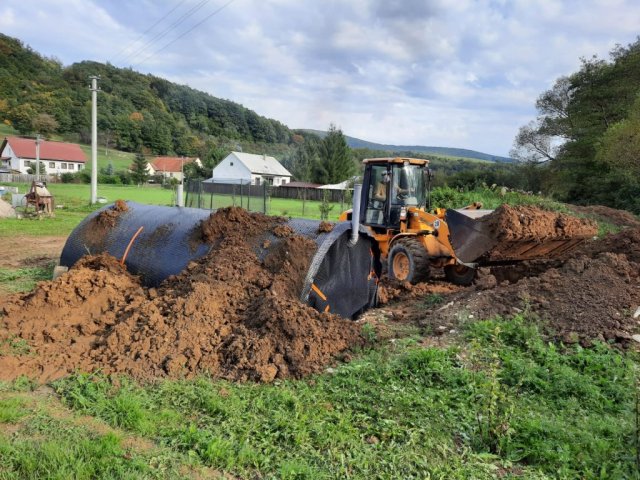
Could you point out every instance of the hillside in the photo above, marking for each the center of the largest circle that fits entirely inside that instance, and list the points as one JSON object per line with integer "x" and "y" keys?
{"x": 439, "y": 151}
{"x": 136, "y": 112}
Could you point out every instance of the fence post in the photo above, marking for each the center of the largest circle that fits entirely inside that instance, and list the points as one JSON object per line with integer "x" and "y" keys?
{"x": 264, "y": 198}
{"x": 304, "y": 198}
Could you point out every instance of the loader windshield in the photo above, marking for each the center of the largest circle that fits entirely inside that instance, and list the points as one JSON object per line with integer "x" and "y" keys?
{"x": 408, "y": 185}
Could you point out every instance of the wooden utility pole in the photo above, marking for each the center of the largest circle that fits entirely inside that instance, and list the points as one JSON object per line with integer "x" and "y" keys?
{"x": 38, "y": 157}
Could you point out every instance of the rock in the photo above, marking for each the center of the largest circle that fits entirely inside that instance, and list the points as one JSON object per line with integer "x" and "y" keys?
{"x": 635, "y": 338}
{"x": 637, "y": 314}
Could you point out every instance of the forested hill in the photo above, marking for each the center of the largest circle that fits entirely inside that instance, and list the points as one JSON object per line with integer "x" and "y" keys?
{"x": 440, "y": 151}
{"x": 136, "y": 112}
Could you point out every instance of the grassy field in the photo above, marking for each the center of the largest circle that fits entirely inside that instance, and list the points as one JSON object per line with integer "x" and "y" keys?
{"x": 499, "y": 402}
{"x": 503, "y": 403}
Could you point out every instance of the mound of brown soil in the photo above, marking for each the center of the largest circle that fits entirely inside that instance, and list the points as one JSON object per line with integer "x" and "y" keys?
{"x": 584, "y": 299}
{"x": 620, "y": 218}
{"x": 229, "y": 314}
{"x": 526, "y": 222}
{"x": 626, "y": 242}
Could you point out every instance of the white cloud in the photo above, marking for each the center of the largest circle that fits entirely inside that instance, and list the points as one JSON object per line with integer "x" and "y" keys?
{"x": 462, "y": 74}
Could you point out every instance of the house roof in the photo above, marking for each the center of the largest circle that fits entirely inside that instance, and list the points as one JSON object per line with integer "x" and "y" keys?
{"x": 262, "y": 164}
{"x": 170, "y": 164}
{"x": 301, "y": 185}
{"x": 26, "y": 148}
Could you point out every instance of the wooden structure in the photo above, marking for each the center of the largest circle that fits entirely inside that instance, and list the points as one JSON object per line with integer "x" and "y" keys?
{"x": 40, "y": 198}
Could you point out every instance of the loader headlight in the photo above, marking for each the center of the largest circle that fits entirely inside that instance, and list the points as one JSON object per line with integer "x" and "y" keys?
{"x": 436, "y": 224}
{"x": 403, "y": 213}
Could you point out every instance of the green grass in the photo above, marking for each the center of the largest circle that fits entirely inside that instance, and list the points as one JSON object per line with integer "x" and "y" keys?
{"x": 119, "y": 160}
{"x": 48, "y": 442}
{"x": 23, "y": 279}
{"x": 506, "y": 401}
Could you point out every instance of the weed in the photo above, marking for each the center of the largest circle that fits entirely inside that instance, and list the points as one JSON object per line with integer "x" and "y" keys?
{"x": 369, "y": 334}
{"x": 432, "y": 300}
{"x": 14, "y": 345}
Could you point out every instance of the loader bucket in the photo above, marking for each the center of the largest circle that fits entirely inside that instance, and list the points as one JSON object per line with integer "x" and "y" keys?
{"x": 469, "y": 238}
{"x": 342, "y": 278}
{"x": 473, "y": 240}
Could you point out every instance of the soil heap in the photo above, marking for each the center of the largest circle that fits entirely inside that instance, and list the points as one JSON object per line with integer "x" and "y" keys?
{"x": 527, "y": 222}
{"x": 592, "y": 294}
{"x": 231, "y": 314}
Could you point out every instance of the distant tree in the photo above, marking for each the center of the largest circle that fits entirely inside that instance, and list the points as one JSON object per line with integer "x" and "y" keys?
{"x": 45, "y": 124}
{"x": 335, "y": 162}
{"x": 533, "y": 145}
{"x": 32, "y": 169}
{"x": 139, "y": 171}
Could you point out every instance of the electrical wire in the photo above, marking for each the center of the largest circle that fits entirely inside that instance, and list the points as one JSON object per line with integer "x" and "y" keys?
{"x": 146, "y": 31}
{"x": 167, "y": 30}
{"x": 186, "y": 32}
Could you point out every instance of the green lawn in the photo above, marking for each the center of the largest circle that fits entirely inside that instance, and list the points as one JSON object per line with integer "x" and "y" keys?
{"x": 503, "y": 403}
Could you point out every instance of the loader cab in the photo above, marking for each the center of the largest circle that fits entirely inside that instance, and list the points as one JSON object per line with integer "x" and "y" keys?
{"x": 390, "y": 186}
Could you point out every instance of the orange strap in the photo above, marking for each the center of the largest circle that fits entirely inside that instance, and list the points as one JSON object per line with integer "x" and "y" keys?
{"x": 318, "y": 291}
{"x": 126, "y": 252}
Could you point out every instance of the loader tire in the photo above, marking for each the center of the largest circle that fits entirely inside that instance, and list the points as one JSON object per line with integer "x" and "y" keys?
{"x": 408, "y": 261}
{"x": 459, "y": 274}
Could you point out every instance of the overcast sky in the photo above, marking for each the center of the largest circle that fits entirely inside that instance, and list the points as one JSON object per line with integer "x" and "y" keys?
{"x": 435, "y": 72}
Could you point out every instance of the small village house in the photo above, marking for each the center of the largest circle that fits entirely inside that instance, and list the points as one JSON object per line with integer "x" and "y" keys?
{"x": 170, "y": 167}
{"x": 250, "y": 169}
{"x": 18, "y": 154}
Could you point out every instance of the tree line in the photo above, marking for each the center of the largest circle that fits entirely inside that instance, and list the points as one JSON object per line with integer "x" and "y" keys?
{"x": 136, "y": 112}
{"x": 584, "y": 144}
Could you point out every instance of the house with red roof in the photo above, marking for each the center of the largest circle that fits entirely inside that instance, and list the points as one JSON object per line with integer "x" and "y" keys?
{"x": 18, "y": 154}
{"x": 171, "y": 167}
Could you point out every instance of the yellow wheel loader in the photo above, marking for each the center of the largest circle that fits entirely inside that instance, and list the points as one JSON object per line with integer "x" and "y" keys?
{"x": 395, "y": 207}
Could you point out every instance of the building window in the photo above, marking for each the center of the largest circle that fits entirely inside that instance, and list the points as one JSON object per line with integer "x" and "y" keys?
{"x": 257, "y": 181}
{"x": 63, "y": 166}
{"x": 71, "y": 166}
{"x": 80, "y": 167}
{"x": 27, "y": 163}
{"x": 52, "y": 164}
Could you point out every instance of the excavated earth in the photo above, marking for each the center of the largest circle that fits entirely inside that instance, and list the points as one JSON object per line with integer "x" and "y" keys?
{"x": 591, "y": 293}
{"x": 237, "y": 316}
{"x": 230, "y": 314}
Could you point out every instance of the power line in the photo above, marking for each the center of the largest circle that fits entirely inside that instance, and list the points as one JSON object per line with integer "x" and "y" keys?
{"x": 185, "y": 33}
{"x": 147, "y": 31}
{"x": 163, "y": 33}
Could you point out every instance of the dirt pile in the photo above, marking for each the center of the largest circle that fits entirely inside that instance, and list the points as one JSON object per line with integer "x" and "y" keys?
{"x": 620, "y": 218}
{"x": 526, "y": 222}
{"x": 6, "y": 210}
{"x": 229, "y": 314}
{"x": 592, "y": 295}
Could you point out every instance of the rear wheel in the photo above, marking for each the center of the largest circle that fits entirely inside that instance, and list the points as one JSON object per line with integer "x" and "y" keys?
{"x": 460, "y": 274}
{"x": 408, "y": 261}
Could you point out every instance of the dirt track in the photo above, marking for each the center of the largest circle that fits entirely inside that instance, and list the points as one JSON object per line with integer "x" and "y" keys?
{"x": 240, "y": 319}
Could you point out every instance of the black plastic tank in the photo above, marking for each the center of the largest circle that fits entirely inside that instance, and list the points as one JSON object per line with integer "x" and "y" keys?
{"x": 342, "y": 277}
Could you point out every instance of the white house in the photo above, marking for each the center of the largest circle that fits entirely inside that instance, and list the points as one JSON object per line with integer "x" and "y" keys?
{"x": 18, "y": 154}
{"x": 248, "y": 168}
